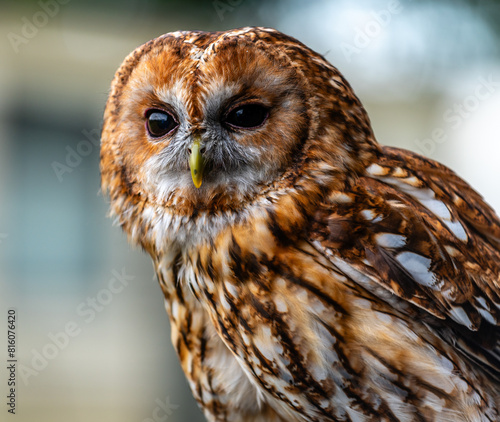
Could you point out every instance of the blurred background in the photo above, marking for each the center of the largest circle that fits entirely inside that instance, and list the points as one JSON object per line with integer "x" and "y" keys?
{"x": 93, "y": 340}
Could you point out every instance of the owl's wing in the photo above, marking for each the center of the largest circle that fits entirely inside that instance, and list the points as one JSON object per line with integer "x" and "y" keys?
{"x": 414, "y": 228}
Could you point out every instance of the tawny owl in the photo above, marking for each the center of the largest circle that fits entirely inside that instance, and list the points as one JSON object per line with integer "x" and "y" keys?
{"x": 310, "y": 274}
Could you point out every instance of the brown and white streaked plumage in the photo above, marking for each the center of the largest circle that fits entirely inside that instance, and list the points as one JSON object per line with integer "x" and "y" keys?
{"x": 314, "y": 275}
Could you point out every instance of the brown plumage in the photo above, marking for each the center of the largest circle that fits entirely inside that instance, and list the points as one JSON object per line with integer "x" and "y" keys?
{"x": 314, "y": 275}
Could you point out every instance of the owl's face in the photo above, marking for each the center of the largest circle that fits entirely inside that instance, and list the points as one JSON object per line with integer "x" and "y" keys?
{"x": 205, "y": 124}
{"x": 201, "y": 122}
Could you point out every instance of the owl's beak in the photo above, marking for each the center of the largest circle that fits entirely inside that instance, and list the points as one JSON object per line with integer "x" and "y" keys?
{"x": 196, "y": 162}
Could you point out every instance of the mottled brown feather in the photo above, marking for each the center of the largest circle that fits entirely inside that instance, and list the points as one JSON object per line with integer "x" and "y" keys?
{"x": 314, "y": 276}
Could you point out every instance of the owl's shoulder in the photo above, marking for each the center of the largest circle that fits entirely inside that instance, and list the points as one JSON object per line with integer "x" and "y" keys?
{"x": 410, "y": 227}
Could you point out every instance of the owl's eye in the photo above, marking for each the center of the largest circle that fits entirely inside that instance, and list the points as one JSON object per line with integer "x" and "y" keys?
{"x": 159, "y": 123}
{"x": 247, "y": 116}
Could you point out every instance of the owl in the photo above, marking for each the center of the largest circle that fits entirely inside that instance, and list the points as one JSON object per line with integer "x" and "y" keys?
{"x": 309, "y": 273}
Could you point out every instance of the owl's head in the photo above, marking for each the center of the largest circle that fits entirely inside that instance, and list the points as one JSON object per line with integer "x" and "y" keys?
{"x": 209, "y": 121}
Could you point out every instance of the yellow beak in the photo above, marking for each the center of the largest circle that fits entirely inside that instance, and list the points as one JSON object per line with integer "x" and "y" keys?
{"x": 196, "y": 162}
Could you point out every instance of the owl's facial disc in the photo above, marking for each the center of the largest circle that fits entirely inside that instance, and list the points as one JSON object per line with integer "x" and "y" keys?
{"x": 210, "y": 133}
